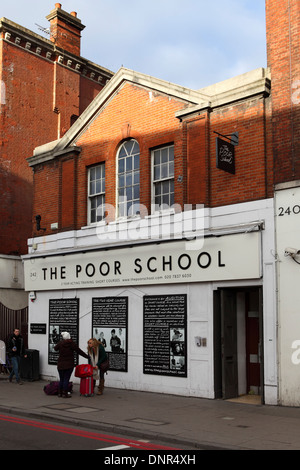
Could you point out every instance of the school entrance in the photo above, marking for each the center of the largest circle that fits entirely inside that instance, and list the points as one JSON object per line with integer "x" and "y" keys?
{"x": 238, "y": 345}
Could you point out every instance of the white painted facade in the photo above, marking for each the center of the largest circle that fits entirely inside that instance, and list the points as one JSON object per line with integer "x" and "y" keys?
{"x": 12, "y": 294}
{"x": 287, "y": 205}
{"x": 243, "y": 221}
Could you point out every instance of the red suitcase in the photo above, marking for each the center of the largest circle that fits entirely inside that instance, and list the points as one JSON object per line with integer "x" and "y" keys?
{"x": 87, "y": 386}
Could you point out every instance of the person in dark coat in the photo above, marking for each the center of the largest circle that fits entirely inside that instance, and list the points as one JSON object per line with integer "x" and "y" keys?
{"x": 15, "y": 350}
{"x": 65, "y": 364}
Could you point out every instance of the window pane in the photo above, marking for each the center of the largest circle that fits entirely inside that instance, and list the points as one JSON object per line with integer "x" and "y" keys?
{"x": 98, "y": 172}
{"x": 171, "y": 153}
{"x": 128, "y": 147}
{"x": 171, "y": 169}
{"x": 128, "y": 164}
{"x": 121, "y": 181}
{"x": 92, "y": 174}
{"x": 123, "y": 152}
{"x": 165, "y": 187}
{"x": 121, "y": 165}
{"x": 98, "y": 186}
{"x": 163, "y": 174}
{"x": 164, "y": 171}
{"x": 156, "y": 157}
{"x": 129, "y": 194}
{"x": 92, "y": 187}
{"x": 96, "y": 192}
{"x": 136, "y": 164}
{"x": 128, "y": 177}
{"x": 164, "y": 155}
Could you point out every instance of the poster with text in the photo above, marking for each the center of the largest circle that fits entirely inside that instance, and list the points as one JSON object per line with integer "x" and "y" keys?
{"x": 110, "y": 326}
{"x": 165, "y": 335}
{"x": 63, "y": 316}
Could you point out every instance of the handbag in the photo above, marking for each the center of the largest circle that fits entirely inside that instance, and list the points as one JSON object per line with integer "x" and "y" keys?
{"x": 104, "y": 366}
{"x": 83, "y": 370}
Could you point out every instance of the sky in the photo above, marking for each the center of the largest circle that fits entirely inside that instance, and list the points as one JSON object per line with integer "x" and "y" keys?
{"x": 193, "y": 43}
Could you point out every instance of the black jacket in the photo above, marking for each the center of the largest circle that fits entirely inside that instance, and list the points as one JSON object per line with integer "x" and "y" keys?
{"x": 66, "y": 349}
{"x": 18, "y": 342}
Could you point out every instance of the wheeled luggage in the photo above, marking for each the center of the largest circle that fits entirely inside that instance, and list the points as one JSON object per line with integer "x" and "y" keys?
{"x": 87, "y": 386}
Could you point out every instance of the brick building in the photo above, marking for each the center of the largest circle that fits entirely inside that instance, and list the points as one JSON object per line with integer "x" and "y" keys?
{"x": 139, "y": 169}
{"x": 283, "y": 46}
{"x": 167, "y": 216}
{"x": 45, "y": 85}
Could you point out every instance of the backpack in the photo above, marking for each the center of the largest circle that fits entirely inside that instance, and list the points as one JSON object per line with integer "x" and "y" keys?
{"x": 53, "y": 388}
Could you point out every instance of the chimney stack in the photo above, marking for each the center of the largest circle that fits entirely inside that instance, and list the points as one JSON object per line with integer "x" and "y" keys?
{"x": 65, "y": 29}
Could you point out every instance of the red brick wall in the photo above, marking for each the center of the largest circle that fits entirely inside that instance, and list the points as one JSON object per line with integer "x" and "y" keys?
{"x": 283, "y": 44}
{"x": 149, "y": 118}
{"x": 67, "y": 207}
{"x": 197, "y": 161}
{"x": 66, "y": 36}
{"x": 34, "y": 87}
{"x": 252, "y": 154}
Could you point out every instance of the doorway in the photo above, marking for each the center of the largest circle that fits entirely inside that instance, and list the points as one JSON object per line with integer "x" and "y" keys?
{"x": 238, "y": 355}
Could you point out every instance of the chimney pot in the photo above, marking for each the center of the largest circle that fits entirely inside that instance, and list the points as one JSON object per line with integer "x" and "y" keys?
{"x": 57, "y": 5}
{"x": 73, "y": 13}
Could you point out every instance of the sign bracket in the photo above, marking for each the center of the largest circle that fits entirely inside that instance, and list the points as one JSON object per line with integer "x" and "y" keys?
{"x": 233, "y": 138}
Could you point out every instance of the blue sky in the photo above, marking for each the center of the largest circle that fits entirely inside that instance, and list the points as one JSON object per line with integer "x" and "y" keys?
{"x": 193, "y": 43}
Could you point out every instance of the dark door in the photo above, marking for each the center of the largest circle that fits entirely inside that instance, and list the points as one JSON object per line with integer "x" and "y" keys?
{"x": 254, "y": 352}
{"x": 229, "y": 344}
{"x": 225, "y": 344}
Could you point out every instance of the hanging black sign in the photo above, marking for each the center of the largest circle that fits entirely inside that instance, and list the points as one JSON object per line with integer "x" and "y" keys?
{"x": 225, "y": 156}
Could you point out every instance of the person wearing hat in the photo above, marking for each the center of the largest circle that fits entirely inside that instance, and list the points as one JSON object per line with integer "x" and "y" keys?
{"x": 65, "y": 364}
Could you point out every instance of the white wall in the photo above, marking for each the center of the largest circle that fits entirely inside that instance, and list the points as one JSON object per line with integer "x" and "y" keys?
{"x": 199, "y": 381}
{"x": 288, "y": 235}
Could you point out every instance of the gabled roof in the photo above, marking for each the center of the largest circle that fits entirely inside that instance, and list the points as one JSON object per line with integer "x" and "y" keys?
{"x": 241, "y": 87}
{"x": 52, "y": 149}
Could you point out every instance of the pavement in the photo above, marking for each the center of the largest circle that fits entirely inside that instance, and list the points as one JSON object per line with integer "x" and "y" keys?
{"x": 196, "y": 422}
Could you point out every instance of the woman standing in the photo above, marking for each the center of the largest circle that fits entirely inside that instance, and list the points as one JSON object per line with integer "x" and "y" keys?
{"x": 93, "y": 352}
{"x": 97, "y": 355}
{"x": 65, "y": 364}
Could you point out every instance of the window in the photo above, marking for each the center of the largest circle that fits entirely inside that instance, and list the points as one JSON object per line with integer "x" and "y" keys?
{"x": 96, "y": 192}
{"x": 163, "y": 177}
{"x": 129, "y": 179}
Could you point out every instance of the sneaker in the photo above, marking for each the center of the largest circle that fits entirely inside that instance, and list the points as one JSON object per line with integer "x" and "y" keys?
{"x": 20, "y": 383}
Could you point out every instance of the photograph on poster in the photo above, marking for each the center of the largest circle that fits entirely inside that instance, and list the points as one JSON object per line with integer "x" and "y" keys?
{"x": 54, "y": 336}
{"x": 112, "y": 339}
{"x": 177, "y": 349}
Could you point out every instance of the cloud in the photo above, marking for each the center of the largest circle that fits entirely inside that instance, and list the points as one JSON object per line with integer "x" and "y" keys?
{"x": 194, "y": 43}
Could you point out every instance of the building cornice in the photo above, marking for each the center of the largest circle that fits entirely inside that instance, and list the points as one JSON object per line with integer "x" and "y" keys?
{"x": 33, "y": 43}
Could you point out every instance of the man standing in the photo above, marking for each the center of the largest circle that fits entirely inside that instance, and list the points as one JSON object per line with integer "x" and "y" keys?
{"x": 15, "y": 349}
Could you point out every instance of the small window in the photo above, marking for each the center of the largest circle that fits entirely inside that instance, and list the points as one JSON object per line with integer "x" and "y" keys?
{"x": 163, "y": 178}
{"x": 96, "y": 192}
{"x": 129, "y": 179}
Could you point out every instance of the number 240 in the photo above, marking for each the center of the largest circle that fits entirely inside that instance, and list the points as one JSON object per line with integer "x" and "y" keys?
{"x": 289, "y": 211}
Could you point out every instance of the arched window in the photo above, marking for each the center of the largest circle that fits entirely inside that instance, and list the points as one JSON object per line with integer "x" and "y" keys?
{"x": 129, "y": 179}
